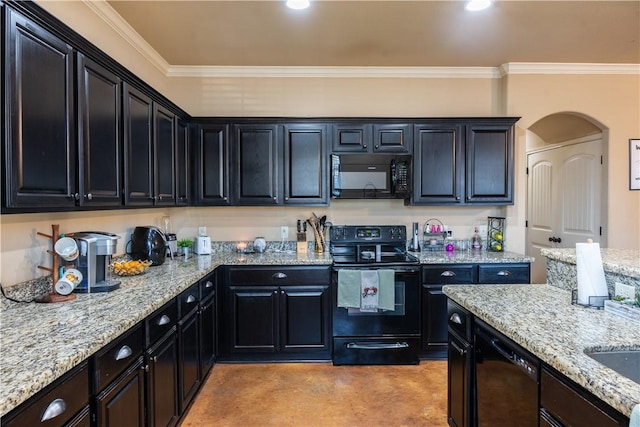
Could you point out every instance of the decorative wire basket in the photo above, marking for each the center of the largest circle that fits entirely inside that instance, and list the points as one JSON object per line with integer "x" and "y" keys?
{"x": 433, "y": 241}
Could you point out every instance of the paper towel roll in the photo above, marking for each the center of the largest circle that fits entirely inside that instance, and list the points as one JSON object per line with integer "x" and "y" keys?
{"x": 591, "y": 281}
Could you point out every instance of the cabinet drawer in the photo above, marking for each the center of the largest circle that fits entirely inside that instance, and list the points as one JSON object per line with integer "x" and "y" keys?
{"x": 448, "y": 274}
{"x": 569, "y": 406}
{"x": 279, "y": 276}
{"x": 188, "y": 300}
{"x": 161, "y": 321}
{"x": 459, "y": 320}
{"x": 114, "y": 358}
{"x": 66, "y": 398}
{"x": 503, "y": 273}
{"x": 207, "y": 286}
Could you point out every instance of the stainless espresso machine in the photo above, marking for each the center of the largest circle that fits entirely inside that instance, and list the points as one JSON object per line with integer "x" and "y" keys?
{"x": 96, "y": 248}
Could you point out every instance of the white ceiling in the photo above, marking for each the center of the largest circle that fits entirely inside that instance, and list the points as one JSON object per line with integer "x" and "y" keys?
{"x": 340, "y": 33}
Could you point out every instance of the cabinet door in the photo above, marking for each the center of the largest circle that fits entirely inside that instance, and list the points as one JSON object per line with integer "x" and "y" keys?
{"x": 162, "y": 381}
{"x": 40, "y": 155}
{"x": 99, "y": 135}
{"x": 351, "y": 137}
{"x": 207, "y": 335}
{"x": 256, "y": 171}
{"x": 164, "y": 156}
{"x": 392, "y": 138}
{"x": 304, "y": 320}
{"x": 438, "y": 168}
{"x": 189, "y": 363}
{"x": 122, "y": 403}
{"x": 138, "y": 144}
{"x": 252, "y": 322}
{"x": 459, "y": 379}
{"x": 305, "y": 165}
{"x": 183, "y": 170}
{"x": 489, "y": 163}
{"x": 211, "y": 177}
{"x": 434, "y": 321}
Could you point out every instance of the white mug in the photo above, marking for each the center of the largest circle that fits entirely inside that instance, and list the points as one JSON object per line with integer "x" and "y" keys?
{"x": 70, "y": 279}
{"x": 67, "y": 248}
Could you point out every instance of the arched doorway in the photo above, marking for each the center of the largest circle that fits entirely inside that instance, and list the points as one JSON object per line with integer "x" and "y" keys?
{"x": 566, "y": 185}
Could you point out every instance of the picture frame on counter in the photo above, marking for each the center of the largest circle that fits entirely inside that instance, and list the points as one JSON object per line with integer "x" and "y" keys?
{"x": 634, "y": 164}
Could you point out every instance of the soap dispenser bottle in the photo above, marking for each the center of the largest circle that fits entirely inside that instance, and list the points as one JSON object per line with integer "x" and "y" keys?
{"x": 476, "y": 240}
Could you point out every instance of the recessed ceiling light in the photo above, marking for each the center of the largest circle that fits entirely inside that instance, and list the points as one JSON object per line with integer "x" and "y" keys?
{"x": 474, "y": 5}
{"x": 298, "y": 4}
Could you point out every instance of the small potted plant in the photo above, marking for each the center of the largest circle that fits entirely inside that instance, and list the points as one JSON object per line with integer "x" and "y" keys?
{"x": 185, "y": 245}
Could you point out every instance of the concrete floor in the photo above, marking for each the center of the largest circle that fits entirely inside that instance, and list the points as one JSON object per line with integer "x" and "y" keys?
{"x": 320, "y": 394}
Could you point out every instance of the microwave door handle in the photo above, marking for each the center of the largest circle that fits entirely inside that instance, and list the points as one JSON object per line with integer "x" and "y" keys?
{"x": 394, "y": 176}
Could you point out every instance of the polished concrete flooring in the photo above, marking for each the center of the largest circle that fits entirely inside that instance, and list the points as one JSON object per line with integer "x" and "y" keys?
{"x": 320, "y": 394}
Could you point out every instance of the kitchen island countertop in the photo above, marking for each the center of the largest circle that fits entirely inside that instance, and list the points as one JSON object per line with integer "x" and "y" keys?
{"x": 542, "y": 320}
{"x": 620, "y": 261}
{"x": 41, "y": 342}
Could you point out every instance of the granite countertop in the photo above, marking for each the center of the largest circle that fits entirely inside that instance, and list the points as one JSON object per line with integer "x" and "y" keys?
{"x": 40, "y": 342}
{"x": 621, "y": 261}
{"x": 542, "y": 320}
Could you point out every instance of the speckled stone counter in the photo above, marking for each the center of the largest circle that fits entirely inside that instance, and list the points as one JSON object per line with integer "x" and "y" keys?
{"x": 470, "y": 257}
{"x": 40, "y": 342}
{"x": 620, "y": 265}
{"x": 541, "y": 319}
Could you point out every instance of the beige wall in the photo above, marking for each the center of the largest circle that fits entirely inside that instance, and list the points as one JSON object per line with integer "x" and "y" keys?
{"x": 612, "y": 100}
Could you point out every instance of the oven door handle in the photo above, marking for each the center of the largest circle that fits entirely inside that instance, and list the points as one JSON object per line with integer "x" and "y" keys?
{"x": 376, "y": 345}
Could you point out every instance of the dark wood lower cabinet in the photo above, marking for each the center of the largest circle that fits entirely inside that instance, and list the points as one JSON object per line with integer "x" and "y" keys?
{"x": 162, "y": 380}
{"x": 207, "y": 335}
{"x": 434, "y": 321}
{"x": 122, "y": 403}
{"x": 459, "y": 368}
{"x": 189, "y": 362}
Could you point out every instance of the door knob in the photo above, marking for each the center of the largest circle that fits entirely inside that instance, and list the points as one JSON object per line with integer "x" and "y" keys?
{"x": 555, "y": 239}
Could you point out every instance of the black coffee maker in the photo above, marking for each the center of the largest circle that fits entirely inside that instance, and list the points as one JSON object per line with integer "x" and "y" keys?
{"x": 148, "y": 244}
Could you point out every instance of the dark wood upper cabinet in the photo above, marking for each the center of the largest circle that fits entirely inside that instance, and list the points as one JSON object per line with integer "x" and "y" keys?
{"x": 305, "y": 165}
{"x": 99, "y": 135}
{"x": 359, "y": 137}
{"x": 392, "y": 138}
{"x": 211, "y": 165}
{"x": 164, "y": 156}
{"x": 138, "y": 148}
{"x": 40, "y": 145}
{"x": 489, "y": 163}
{"x": 256, "y": 152}
{"x": 183, "y": 169}
{"x": 438, "y": 169}
{"x": 351, "y": 137}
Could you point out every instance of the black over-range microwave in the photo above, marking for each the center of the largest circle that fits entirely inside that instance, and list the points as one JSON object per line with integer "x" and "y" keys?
{"x": 370, "y": 176}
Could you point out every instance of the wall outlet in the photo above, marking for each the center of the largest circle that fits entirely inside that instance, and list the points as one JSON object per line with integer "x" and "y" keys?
{"x": 284, "y": 232}
{"x": 626, "y": 291}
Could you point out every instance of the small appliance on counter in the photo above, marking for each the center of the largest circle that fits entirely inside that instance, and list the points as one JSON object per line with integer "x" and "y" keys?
{"x": 95, "y": 249}
{"x": 171, "y": 238}
{"x": 148, "y": 243}
{"x": 202, "y": 244}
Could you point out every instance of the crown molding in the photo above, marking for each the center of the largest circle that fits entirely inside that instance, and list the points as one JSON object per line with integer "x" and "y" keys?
{"x": 126, "y": 31}
{"x": 512, "y": 68}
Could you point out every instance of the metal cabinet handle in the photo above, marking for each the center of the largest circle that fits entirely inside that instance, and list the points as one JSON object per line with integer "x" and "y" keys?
{"x": 164, "y": 320}
{"x": 55, "y": 408}
{"x": 89, "y": 196}
{"x": 208, "y": 284}
{"x": 225, "y": 198}
{"x": 377, "y": 146}
{"x": 364, "y": 146}
{"x": 191, "y": 299}
{"x": 447, "y": 273}
{"x": 455, "y": 318}
{"x": 504, "y": 273}
{"x": 457, "y": 348}
{"x": 279, "y": 275}
{"x": 124, "y": 352}
{"x": 75, "y": 196}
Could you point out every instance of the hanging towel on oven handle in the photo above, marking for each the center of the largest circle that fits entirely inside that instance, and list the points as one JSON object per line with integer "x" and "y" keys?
{"x": 349, "y": 288}
{"x": 387, "y": 292}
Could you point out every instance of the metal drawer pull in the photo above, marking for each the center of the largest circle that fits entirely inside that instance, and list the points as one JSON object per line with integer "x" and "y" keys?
{"x": 279, "y": 275}
{"x": 376, "y": 346}
{"x": 209, "y": 284}
{"x": 124, "y": 352}
{"x": 504, "y": 273}
{"x": 164, "y": 320}
{"x": 191, "y": 299}
{"x": 457, "y": 348}
{"x": 447, "y": 273}
{"x": 455, "y": 318}
{"x": 55, "y": 408}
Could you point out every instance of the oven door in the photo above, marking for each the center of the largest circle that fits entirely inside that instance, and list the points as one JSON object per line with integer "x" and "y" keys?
{"x": 403, "y": 320}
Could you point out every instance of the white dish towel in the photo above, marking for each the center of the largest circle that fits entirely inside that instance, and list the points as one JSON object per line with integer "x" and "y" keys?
{"x": 369, "y": 285}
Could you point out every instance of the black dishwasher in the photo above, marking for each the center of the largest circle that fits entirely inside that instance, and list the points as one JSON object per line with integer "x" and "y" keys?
{"x": 507, "y": 379}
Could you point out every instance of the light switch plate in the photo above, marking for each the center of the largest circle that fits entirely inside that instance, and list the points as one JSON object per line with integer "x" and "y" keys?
{"x": 284, "y": 232}
{"x": 626, "y": 291}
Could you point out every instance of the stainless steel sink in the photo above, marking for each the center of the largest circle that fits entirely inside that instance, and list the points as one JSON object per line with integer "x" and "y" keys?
{"x": 624, "y": 362}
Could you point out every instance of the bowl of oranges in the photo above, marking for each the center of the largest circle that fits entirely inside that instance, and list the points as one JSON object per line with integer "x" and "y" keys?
{"x": 130, "y": 268}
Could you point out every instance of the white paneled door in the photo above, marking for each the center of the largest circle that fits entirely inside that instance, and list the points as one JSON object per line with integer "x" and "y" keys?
{"x": 564, "y": 192}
